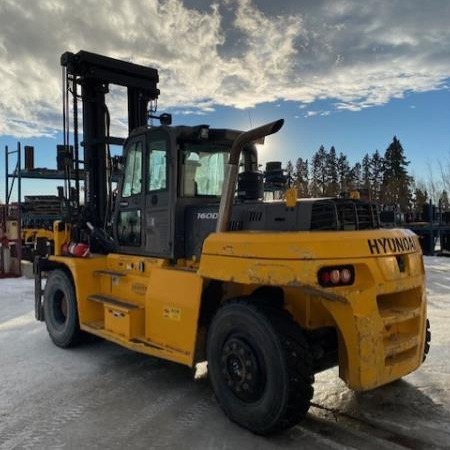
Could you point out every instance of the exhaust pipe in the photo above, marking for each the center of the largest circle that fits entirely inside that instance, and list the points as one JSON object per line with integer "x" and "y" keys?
{"x": 232, "y": 168}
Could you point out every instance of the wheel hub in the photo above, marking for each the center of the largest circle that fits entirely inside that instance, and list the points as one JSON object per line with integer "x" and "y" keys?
{"x": 241, "y": 370}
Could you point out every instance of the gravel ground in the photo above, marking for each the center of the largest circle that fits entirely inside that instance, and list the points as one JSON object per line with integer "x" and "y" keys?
{"x": 103, "y": 396}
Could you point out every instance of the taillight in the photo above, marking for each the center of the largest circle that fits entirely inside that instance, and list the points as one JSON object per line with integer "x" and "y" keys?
{"x": 336, "y": 276}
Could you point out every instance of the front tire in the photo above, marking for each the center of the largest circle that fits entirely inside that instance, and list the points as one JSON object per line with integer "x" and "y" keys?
{"x": 259, "y": 366}
{"x": 60, "y": 310}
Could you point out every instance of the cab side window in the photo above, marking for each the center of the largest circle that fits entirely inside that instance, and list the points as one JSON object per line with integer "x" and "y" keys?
{"x": 132, "y": 183}
{"x": 157, "y": 166}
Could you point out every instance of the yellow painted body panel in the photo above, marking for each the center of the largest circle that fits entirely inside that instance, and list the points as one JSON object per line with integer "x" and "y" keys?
{"x": 61, "y": 233}
{"x": 150, "y": 306}
{"x": 145, "y": 305}
{"x": 31, "y": 234}
{"x": 85, "y": 282}
{"x": 172, "y": 309}
{"x": 380, "y": 318}
{"x": 297, "y": 245}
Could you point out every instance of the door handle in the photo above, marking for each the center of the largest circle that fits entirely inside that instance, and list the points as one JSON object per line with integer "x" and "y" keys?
{"x": 123, "y": 204}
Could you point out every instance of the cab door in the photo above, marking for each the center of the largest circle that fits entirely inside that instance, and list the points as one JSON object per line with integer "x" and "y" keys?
{"x": 129, "y": 212}
{"x": 159, "y": 194}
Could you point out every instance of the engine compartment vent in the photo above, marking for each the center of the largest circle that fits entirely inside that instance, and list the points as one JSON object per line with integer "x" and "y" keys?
{"x": 254, "y": 216}
{"x": 344, "y": 215}
{"x": 236, "y": 225}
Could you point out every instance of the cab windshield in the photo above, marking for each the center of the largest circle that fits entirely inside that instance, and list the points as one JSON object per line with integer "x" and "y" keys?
{"x": 203, "y": 169}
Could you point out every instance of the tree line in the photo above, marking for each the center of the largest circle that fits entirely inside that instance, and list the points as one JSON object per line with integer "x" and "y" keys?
{"x": 384, "y": 177}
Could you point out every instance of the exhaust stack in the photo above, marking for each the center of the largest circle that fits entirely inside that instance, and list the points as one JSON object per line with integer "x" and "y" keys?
{"x": 231, "y": 169}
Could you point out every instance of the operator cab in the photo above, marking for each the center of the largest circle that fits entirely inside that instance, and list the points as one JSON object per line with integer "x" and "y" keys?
{"x": 166, "y": 171}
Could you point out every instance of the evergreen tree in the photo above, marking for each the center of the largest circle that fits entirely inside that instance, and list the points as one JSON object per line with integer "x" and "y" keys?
{"x": 444, "y": 202}
{"x": 306, "y": 179}
{"x": 343, "y": 170}
{"x": 396, "y": 181}
{"x": 301, "y": 178}
{"x": 354, "y": 178}
{"x": 319, "y": 175}
{"x": 376, "y": 175}
{"x": 366, "y": 174}
{"x": 332, "y": 187}
{"x": 289, "y": 172}
{"x": 420, "y": 199}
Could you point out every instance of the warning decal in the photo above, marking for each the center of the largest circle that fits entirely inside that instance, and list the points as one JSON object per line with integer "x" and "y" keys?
{"x": 172, "y": 313}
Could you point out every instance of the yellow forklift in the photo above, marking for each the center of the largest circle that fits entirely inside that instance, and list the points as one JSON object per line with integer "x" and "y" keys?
{"x": 188, "y": 263}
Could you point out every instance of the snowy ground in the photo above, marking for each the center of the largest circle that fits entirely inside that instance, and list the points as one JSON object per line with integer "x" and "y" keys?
{"x": 103, "y": 396}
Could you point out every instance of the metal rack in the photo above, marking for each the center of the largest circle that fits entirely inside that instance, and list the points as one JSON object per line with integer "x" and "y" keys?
{"x": 432, "y": 225}
{"x": 11, "y": 213}
{"x": 10, "y": 241}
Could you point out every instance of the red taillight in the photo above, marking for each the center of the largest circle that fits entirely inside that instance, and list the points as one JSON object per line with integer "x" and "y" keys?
{"x": 336, "y": 276}
{"x": 325, "y": 278}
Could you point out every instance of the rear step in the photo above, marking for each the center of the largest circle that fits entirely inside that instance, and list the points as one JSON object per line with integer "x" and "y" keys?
{"x": 113, "y": 301}
{"x": 119, "y": 317}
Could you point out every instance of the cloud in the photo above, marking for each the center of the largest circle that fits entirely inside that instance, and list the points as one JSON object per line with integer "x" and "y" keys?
{"x": 237, "y": 53}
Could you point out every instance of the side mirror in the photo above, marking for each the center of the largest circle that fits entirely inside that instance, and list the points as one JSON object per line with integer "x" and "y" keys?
{"x": 164, "y": 118}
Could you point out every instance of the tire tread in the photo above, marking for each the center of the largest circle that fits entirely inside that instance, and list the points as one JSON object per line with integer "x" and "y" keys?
{"x": 73, "y": 336}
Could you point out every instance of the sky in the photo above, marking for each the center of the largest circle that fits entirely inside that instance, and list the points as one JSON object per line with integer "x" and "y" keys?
{"x": 340, "y": 72}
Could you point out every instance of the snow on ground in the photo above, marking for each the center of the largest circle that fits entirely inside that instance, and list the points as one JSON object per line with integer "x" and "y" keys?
{"x": 103, "y": 396}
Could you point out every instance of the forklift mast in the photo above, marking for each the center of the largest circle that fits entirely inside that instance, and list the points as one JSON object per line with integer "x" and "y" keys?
{"x": 94, "y": 73}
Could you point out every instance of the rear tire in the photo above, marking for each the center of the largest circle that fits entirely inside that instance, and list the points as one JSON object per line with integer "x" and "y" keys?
{"x": 259, "y": 366}
{"x": 60, "y": 310}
